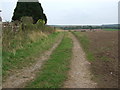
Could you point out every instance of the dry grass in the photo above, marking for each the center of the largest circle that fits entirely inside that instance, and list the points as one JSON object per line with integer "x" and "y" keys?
{"x": 20, "y": 47}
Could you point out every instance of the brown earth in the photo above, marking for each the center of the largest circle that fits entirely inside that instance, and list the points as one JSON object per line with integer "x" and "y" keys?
{"x": 104, "y": 46}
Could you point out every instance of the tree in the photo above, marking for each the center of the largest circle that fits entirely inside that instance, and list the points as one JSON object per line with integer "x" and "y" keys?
{"x": 90, "y": 27}
{"x": 31, "y": 9}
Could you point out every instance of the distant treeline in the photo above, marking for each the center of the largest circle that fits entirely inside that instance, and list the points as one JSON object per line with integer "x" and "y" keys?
{"x": 80, "y": 27}
{"x": 114, "y": 26}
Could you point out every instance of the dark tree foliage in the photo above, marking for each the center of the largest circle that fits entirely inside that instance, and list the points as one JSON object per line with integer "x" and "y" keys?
{"x": 0, "y": 19}
{"x": 33, "y": 9}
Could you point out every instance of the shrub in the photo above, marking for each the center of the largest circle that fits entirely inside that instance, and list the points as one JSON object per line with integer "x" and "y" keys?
{"x": 27, "y": 20}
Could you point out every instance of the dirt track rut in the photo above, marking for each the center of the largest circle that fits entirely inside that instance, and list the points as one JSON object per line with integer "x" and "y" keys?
{"x": 79, "y": 75}
{"x": 25, "y": 75}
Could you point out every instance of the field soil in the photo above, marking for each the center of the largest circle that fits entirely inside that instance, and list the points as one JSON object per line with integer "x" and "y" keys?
{"x": 104, "y": 46}
{"x": 21, "y": 77}
{"x": 79, "y": 75}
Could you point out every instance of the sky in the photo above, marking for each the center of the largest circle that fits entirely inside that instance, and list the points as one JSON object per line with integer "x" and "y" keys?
{"x": 71, "y": 12}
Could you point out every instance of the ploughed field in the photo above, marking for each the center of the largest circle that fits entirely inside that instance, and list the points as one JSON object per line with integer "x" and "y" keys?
{"x": 104, "y": 45}
{"x": 101, "y": 49}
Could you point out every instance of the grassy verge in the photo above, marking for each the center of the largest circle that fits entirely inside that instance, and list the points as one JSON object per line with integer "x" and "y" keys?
{"x": 14, "y": 59}
{"x": 83, "y": 39}
{"x": 54, "y": 71}
{"x": 110, "y": 29}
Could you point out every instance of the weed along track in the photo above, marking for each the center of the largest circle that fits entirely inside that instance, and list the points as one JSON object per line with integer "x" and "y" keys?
{"x": 79, "y": 75}
{"x": 19, "y": 79}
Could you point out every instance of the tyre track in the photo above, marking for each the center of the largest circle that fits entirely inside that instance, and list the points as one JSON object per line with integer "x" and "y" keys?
{"x": 79, "y": 75}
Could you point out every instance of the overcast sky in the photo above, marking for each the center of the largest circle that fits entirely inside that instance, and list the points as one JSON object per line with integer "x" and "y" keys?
{"x": 71, "y": 12}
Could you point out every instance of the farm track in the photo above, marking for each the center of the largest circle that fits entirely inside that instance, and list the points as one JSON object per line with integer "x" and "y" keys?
{"x": 79, "y": 75}
{"x": 19, "y": 79}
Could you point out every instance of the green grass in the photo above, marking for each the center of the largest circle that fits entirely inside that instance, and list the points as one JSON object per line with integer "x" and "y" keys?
{"x": 84, "y": 41}
{"x": 26, "y": 55}
{"x": 110, "y": 29}
{"x": 54, "y": 71}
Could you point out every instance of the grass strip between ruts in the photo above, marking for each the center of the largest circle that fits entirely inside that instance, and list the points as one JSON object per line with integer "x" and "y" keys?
{"x": 54, "y": 71}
